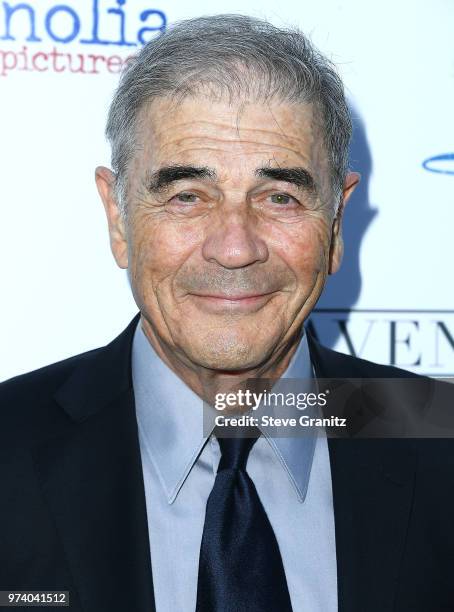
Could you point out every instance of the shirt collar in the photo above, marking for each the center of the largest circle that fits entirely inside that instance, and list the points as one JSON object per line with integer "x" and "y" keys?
{"x": 173, "y": 443}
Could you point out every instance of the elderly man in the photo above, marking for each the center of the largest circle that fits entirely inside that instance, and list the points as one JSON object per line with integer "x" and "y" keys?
{"x": 229, "y": 151}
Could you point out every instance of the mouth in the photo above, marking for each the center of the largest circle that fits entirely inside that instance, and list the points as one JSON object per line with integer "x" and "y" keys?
{"x": 247, "y": 302}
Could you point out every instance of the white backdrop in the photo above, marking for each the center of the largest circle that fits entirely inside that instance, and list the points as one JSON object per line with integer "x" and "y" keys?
{"x": 61, "y": 291}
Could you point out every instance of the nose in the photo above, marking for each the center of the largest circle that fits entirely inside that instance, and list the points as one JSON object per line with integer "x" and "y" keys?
{"x": 232, "y": 240}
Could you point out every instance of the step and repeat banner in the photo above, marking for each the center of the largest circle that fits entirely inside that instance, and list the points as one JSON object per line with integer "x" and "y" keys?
{"x": 393, "y": 300}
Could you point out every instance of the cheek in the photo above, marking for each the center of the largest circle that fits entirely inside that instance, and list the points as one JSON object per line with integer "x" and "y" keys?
{"x": 157, "y": 251}
{"x": 305, "y": 248}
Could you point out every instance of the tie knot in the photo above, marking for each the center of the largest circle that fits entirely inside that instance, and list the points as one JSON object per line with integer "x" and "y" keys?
{"x": 235, "y": 450}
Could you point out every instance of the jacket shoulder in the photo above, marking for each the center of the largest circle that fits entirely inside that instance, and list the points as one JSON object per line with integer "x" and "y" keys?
{"x": 27, "y": 405}
{"x": 44, "y": 402}
{"x": 42, "y": 379}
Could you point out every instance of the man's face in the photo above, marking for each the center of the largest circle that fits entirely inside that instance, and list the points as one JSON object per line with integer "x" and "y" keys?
{"x": 230, "y": 231}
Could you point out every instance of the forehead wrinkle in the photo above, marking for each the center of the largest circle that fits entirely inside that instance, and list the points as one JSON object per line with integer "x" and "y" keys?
{"x": 276, "y": 122}
{"x": 260, "y": 136}
{"x": 206, "y": 129}
{"x": 302, "y": 122}
{"x": 262, "y": 148}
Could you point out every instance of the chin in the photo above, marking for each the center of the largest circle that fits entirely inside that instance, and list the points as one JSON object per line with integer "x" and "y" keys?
{"x": 230, "y": 354}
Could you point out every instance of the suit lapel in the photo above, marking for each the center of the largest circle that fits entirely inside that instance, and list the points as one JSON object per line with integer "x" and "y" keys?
{"x": 373, "y": 484}
{"x": 91, "y": 477}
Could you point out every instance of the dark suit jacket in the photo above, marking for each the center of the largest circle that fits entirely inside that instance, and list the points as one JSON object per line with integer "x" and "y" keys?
{"x": 72, "y": 505}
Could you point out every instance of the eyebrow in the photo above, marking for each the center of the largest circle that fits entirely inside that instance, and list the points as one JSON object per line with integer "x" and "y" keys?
{"x": 299, "y": 177}
{"x": 167, "y": 175}
{"x": 164, "y": 177}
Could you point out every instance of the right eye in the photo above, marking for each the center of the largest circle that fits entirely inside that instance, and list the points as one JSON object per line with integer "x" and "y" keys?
{"x": 185, "y": 197}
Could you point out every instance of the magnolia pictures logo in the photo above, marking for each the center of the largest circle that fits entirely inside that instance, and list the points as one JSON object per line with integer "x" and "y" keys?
{"x": 62, "y": 38}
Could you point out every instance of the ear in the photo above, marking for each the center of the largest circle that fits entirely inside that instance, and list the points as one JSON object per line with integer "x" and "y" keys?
{"x": 105, "y": 181}
{"x": 337, "y": 244}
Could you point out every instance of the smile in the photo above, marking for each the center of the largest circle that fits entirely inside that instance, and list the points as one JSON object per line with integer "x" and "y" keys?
{"x": 237, "y": 303}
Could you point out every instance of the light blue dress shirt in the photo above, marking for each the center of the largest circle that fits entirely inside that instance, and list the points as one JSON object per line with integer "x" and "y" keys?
{"x": 292, "y": 477}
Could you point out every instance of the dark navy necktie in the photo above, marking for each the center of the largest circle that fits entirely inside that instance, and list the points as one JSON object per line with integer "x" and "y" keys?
{"x": 240, "y": 568}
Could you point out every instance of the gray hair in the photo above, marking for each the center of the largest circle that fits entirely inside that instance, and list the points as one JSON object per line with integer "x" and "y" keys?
{"x": 236, "y": 55}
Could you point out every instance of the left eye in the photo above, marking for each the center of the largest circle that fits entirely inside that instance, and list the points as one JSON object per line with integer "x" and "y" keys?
{"x": 282, "y": 198}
